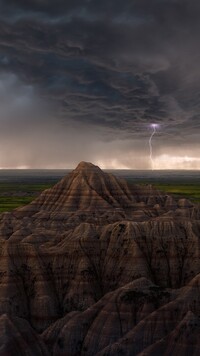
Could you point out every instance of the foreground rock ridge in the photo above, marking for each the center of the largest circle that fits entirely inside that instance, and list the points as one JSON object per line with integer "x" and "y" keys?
{"x": 97, "y": 266}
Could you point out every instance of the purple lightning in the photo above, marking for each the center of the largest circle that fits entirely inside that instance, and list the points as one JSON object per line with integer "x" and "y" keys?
{"x": 154, "y": 127}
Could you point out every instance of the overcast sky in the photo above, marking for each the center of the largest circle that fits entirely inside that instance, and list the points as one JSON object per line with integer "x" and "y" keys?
{"x": 85, "y": 79}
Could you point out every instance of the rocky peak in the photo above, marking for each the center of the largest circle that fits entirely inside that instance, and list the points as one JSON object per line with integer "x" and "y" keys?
{"x": 87, "y": 188}
{"x": 87, "y": 167}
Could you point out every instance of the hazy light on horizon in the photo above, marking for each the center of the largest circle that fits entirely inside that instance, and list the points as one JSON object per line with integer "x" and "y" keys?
{"x": 162, "y": 162}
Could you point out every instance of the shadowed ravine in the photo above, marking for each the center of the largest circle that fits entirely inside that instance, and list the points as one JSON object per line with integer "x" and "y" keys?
{"x": 95, "y": 266}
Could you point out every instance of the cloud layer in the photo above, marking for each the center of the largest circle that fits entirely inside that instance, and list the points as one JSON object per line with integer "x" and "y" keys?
{"x": 79, "y": 79}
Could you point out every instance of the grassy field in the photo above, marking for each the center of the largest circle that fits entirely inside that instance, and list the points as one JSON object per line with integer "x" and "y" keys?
{"x": 190, "y": 191}
{"x": 179, "y": 189}
{"x": 14, "y": 195}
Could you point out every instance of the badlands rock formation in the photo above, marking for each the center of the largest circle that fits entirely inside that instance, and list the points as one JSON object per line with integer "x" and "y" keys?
{"x": 95, "y": 266}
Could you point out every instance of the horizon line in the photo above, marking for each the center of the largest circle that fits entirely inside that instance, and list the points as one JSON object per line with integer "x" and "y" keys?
{"x": 104, "y": 169}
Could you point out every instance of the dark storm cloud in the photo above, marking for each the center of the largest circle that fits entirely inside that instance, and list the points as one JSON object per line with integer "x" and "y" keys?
{"x": 113, "y": 66}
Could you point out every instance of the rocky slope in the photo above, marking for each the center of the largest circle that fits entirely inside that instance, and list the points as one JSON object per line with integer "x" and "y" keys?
{"x": 95, "y": 266}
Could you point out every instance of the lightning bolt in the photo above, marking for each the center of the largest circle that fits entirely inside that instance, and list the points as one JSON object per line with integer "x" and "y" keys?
{"x": 154, "y": 127}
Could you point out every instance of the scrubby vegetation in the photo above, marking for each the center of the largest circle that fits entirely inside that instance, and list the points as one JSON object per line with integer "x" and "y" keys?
{"x": 179, "y": 189}
{"x": 190, "y": 191}
{"x": 15, "y": 195}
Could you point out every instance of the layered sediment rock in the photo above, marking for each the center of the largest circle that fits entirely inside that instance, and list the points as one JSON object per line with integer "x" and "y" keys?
{"x": 102, "y": 267}
{"x": 18, "y": 338}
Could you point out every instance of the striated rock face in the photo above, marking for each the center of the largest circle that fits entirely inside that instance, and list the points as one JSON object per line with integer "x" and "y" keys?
{"x": 100, "y": 267}
{"x": 87, "y": 188}
{"x": 183, "y": 340}
{"x": 18, "y": 338}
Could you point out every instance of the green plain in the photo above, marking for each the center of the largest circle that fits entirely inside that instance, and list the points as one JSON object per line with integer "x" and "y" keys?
{"x": 13, "y": 195}
{"x": 190, "y": 191}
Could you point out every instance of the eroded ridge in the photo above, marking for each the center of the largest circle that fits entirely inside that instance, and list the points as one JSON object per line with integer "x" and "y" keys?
{"x": 95, "y": 266}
